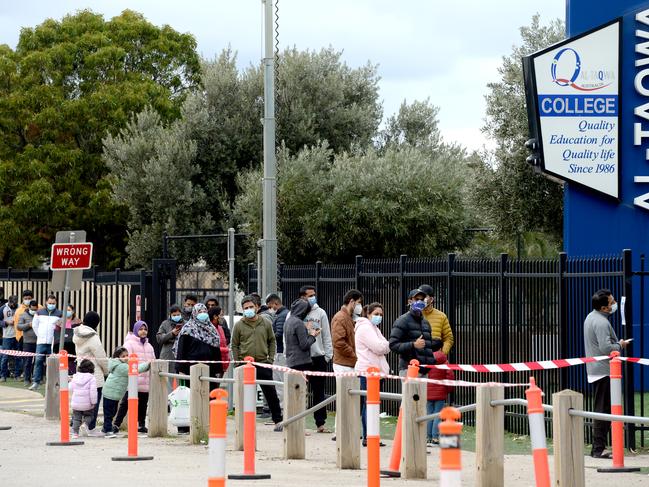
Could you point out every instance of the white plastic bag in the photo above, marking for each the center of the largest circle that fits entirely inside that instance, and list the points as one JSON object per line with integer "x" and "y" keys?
{"x": 179, "y": 402}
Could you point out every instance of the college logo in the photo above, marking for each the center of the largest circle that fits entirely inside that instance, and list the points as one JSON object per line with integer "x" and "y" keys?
{"x": 566, "y": 70}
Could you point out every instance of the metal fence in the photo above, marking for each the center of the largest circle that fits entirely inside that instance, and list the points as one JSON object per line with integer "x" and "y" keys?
{"x": 501, "y": 311}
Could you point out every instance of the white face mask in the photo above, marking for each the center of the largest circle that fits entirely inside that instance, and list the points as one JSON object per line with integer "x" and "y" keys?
{"x": 613, "y": 308}
{"x": 358, "y": 309}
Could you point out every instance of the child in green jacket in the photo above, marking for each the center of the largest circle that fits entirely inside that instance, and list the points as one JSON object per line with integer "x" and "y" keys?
{"x": 116, "y": 386}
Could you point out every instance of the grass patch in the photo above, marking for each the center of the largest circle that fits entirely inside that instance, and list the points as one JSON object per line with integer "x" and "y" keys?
{"x": 20, "y": 384}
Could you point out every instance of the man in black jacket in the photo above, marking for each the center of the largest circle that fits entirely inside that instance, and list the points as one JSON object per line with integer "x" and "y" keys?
{"x": 411, "y": 338}
{"x": 274, "y": 303}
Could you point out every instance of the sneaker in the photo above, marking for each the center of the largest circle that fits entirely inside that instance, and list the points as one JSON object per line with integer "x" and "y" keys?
{"x": 96, "y": 433}
{"x": 34, "y": 386}
{"x": 75, "y": 436}
{"x": 115, "y": 429}
{"x": 83, "y": 430}
{"x": 435, "y": 441}
{"x": 110, "y": 435}
{"x": 278, "y": 428}
{"x": 269, "y": 423}
{"x": 142, "y": 429}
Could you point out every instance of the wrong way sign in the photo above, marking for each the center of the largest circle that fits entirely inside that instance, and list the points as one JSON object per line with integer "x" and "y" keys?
{"x": 71, "y": 256}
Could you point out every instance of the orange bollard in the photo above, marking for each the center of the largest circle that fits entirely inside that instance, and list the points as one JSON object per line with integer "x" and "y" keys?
{"x": 617, "y": 427}
{"x": 373, "y": 409}
{"x": 174, "y": 384}
{"x": 395, "y": 455}
{"x": 64, "y": 404}
{"x": 537, "y": 434}
{"x": 249, "y": 423}
{"x": 132, "y": 412}
{"x": 217, "y": 442}
{"x": 450, "y": 455}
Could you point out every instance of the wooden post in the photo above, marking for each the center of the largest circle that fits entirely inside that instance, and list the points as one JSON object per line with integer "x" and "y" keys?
{"x": 294, "y": 403}
{"x": 490, "y": 437}
{"x": 52, "y": 407}
{"x": 158, "y": 400}
{"x": 348, "y": 425}
{"x": 413, "y": 438}
{"x": 199, "y": 403}
{"x": 238, "y": 408}
{"x": 568, "y": 439}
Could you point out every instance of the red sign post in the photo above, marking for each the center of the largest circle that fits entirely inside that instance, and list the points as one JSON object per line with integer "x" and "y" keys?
{"x": 71, "y": 256}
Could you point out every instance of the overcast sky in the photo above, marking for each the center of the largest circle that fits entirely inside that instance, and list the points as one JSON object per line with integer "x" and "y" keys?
{"x": 447, "y": 51}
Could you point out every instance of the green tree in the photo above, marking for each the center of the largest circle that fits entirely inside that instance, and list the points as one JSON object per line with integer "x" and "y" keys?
{"x": 513, "y": 198}
{"x": 319, "y": 98}
{"x": 333, "y": 207}
{"x": 66, "y": 86}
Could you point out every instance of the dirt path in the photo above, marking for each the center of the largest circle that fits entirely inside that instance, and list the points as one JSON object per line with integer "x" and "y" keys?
{"x": 26, "y": 461}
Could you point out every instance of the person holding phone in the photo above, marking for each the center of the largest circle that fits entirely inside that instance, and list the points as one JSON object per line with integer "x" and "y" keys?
{"x": 168, "y": 332}
{"x": 299, "y": 336}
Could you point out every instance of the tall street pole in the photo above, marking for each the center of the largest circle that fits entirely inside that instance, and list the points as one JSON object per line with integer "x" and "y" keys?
{"x": 269, "y": 241}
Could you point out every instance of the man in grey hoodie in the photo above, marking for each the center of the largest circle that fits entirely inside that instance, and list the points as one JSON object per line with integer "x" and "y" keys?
{"x": 600, "y": 339}
{"x": 322, "y": 352}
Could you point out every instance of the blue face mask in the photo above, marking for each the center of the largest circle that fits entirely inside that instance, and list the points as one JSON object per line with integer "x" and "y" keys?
{"x": 376, "y": 320}
{"x": 312, "y": 300}
{"x": 68, "y": 314}
{"x": 249, "y": 313}
{"x": 202, "y": 317}
{"x": 418, "y": 306}
{"x": 51, "y": 307}
{"x": 176, "y": 318}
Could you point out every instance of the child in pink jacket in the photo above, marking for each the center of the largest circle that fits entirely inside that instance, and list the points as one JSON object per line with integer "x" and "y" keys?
{"x": 84, "y": 396}
{"x": 138, "y": 343}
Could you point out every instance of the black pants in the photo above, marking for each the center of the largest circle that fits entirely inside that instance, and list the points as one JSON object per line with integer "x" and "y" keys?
{"x": 142, "y": 403}
{"x": 602, "y": 405}
{"x": 270, "y": 394}
{"x": 29, "y": 361}
{"x": 110, "y": 408}
{"x": 317, "y": 386}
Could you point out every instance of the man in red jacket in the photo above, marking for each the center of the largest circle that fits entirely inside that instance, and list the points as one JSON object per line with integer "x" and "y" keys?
{"x": 437, "y": 396}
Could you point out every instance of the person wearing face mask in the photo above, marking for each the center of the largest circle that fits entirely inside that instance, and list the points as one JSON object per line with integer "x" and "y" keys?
{"x": 44, "y": 323}
{"x": 279, "y": 314}
{"x": 371, "y": 349}
{"x": 188, "y": 306}
{"x": 29, "y": 338}
{"x": 27, "y": 297}
{"x": 342, "y": 331}
{"x": 411, "y": 336}
{"x": 321, "y": 353}
{"x": 9, "y": 341}
{"x": 168, "y": 331}
{"x": 600, "y": 339}
{"x": 199, "y": 341}
{"x": 253, "y": 336}
{"x": 137, "y": 342}
{"x": 438, "y": 321}
{"x": 71, "y": 322}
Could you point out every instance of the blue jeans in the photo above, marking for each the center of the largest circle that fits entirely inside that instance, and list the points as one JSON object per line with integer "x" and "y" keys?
{"x": 432, "y": 407}
{"x": 364, "y": 407}
{"x": 29, "y": 361}
{"x": 9, "y": 344}
{"x": 42, "y": 350}
{"x": 110, "y": 409}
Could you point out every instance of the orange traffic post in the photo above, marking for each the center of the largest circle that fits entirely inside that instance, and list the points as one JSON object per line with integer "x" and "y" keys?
{"x": 217, "y": 441}
{"x": 395, "y": 455}
{"x": 64, "y": 403}
{"x": 133, "y": 373}
{"x": 536, "y": 419}
{"x": 373, "y": 409}
{"x": 617, "y": 427}
{"x": 249, "y": 423}
{"x": 450, "y": 455}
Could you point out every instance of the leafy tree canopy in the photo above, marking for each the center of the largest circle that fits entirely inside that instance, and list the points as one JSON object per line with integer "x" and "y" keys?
{"x": 516, "y": 200}
{"x": 66, "y": 86}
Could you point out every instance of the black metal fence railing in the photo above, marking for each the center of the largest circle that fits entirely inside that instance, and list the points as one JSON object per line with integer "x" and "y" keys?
{"x": 501, "y": 311}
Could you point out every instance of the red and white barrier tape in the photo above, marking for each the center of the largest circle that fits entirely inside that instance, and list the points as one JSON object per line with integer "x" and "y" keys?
{"x": 525, "y": 366}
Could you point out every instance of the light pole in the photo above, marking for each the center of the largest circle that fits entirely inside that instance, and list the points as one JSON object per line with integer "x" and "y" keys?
{"x": 269, "y": 240}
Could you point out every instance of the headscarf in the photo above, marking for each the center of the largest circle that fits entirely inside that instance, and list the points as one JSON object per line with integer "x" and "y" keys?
{"x": 199, "y": 330}
{"x": 91, "y": 319}
{"x": 136, "y": 328}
